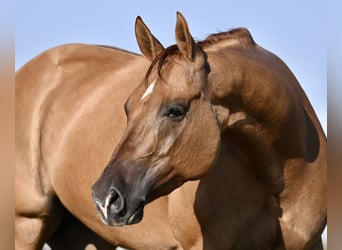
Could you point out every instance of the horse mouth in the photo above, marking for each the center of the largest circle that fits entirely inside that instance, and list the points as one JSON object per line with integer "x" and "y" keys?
{"x": 137, "y": 216}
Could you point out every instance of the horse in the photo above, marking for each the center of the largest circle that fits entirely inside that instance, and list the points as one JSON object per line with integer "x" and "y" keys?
{"x": 200, "y": 145}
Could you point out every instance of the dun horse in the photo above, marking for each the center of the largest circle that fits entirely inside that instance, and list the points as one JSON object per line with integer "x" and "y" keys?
{"x": 221, "y": 148}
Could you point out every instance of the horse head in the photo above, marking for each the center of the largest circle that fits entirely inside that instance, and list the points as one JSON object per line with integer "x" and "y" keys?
{"x": 172, "y": 134}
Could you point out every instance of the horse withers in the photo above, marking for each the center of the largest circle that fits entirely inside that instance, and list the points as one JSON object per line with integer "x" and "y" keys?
{"x": 216, "y": 146}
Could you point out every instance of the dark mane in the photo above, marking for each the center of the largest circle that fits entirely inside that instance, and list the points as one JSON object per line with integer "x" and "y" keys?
{"x": 242, "y": 35}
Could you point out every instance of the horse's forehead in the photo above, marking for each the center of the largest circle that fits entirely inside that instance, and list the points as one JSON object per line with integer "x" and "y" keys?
{"x": 178, "y": 75}
{"x": 174, "y": 80}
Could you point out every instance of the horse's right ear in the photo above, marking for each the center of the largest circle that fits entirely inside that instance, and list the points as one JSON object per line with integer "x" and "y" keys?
{"x": 148, "y": 44}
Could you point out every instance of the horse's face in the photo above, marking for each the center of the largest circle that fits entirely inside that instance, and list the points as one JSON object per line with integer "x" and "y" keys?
{"x": 172, "y": 136}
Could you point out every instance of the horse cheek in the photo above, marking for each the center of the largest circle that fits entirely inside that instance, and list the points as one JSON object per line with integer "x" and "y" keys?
{"x": 203, "y": 145}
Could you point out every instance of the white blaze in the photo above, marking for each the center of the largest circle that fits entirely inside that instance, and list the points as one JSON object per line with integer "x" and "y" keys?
{"x": 148, "y": 91}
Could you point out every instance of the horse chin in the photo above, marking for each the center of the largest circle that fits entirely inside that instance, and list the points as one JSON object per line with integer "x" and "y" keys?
{"x": 136, "y": 217}
{"x": 128, "y": 219}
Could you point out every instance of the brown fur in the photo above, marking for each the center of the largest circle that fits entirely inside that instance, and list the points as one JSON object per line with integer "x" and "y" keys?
{"x": 243, "y": 168}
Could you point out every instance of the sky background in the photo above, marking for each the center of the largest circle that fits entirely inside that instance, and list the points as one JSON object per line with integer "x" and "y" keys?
{"x": 294, "y": 30}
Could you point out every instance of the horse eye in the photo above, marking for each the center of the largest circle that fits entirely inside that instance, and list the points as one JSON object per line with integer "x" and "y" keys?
{"x": 176, "y": 112}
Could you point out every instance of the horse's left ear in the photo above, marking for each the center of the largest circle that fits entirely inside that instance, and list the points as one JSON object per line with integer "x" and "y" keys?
{"x": 148, "y": 44}
{"x": 185, "y": 42}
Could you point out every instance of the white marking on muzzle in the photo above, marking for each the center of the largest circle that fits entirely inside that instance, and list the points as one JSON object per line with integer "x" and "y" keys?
{"x": 104, "y": 208}
{"x": 148, "y": 91}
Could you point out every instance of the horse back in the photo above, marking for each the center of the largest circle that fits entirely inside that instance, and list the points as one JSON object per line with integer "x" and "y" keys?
{"x": 42, "y": 80}
{"x": 54, "y": 91}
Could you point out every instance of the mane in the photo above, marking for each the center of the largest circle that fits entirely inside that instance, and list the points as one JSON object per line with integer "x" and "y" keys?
{"x": 236, "y": 37}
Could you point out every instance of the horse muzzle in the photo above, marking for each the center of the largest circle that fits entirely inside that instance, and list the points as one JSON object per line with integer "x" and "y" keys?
{"x": 116, "y": 209}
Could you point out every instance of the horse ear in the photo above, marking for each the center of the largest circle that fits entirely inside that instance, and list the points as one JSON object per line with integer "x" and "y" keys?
{"x": 185, "y": 42}
{"x": 148, "y": 44}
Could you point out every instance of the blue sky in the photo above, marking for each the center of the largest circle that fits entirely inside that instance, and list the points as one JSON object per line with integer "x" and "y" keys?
{"x": 294, "y": 30}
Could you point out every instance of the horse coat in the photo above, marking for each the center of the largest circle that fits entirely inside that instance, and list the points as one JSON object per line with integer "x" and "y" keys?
{"x": 202, "y": 145}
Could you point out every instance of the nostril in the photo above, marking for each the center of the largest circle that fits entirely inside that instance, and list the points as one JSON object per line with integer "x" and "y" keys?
{"x": 112, "y": 205}
{"x": 115, "y": 202}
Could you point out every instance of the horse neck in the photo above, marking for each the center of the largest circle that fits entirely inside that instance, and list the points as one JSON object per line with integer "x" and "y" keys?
{"x": 255, "y": 81}
{"x": 258, "y": 90}
{"x": 233, "y": 172}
